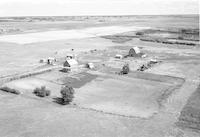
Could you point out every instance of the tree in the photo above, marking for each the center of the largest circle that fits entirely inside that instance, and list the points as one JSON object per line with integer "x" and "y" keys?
{"x": 67, "y": 93}
{"x": 125, "y": 69}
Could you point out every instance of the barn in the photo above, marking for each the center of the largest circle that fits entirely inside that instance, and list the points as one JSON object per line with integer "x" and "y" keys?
{"x": 134, "y": 51}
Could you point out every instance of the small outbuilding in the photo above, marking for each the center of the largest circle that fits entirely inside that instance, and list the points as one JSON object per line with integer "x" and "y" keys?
{"x": 144, "y": 56}
{"x": 90, "y": 65}
{"x": 51, "y": 60}
{"x": 70, "y": 56}
{"x": 70, "y": 63}
{"x": 153, "y": 61}
{"x": 118, "y": 56}
{"x": 43, "y": 60}
{"x": 134, "y": 51}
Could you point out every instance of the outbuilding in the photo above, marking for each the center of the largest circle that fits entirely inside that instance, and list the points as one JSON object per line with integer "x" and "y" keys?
{"x": 118, "y": 56}
{"x": 51, "y": 60}
{"x": 69, "y": 56}
{"x": 90, "y": 65}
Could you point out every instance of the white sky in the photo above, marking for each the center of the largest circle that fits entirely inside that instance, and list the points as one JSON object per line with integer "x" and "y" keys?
{"x": 96, "y": 7}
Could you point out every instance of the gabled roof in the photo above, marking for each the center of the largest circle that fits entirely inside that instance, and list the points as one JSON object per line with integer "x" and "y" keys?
{"x": 136, "y": 49}
{"x": 51, "y": 58}
{"x": 70, "y": 62}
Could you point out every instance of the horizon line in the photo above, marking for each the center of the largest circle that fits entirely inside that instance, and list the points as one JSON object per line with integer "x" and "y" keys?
{"x": 99, "y": 15}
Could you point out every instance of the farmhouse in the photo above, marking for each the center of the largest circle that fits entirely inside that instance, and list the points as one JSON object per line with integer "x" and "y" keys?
{"x": 70, "y": 63}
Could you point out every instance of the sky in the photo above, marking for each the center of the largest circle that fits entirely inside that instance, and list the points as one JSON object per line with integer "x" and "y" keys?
{"x": 97, "y": 7}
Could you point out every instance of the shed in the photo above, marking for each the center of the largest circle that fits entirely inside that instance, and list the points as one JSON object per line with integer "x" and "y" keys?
{"x": 51, "y": 60}
{"x": 69, "y": 56}
{"x": 90, "y": 65}
{"x": 43, "y": 60}
{"x": 118, "y": 56}
{"x": 153, "y": 61}
{"x": 134, "y": 51}
{"x": 70, "y": 63}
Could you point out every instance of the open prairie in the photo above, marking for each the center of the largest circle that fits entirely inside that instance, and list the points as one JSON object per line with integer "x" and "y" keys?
{"x": 158, "y": 99}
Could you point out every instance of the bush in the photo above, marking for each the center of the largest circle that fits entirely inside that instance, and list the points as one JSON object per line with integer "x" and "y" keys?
{"x": 41, "y": 92}
{"x": 139, "y": 33}
{"x": 67, "y": 94}
{"x": 10, "y": 90}
{"x": 125, "y": 69}
{"x": 65, "y": 70}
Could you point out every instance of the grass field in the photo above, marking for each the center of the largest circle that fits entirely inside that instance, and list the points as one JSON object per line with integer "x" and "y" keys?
{"x": 139, "y": 104}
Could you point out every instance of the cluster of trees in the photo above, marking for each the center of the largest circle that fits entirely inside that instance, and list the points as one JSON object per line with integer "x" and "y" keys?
{"x": 67, "y": 93}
